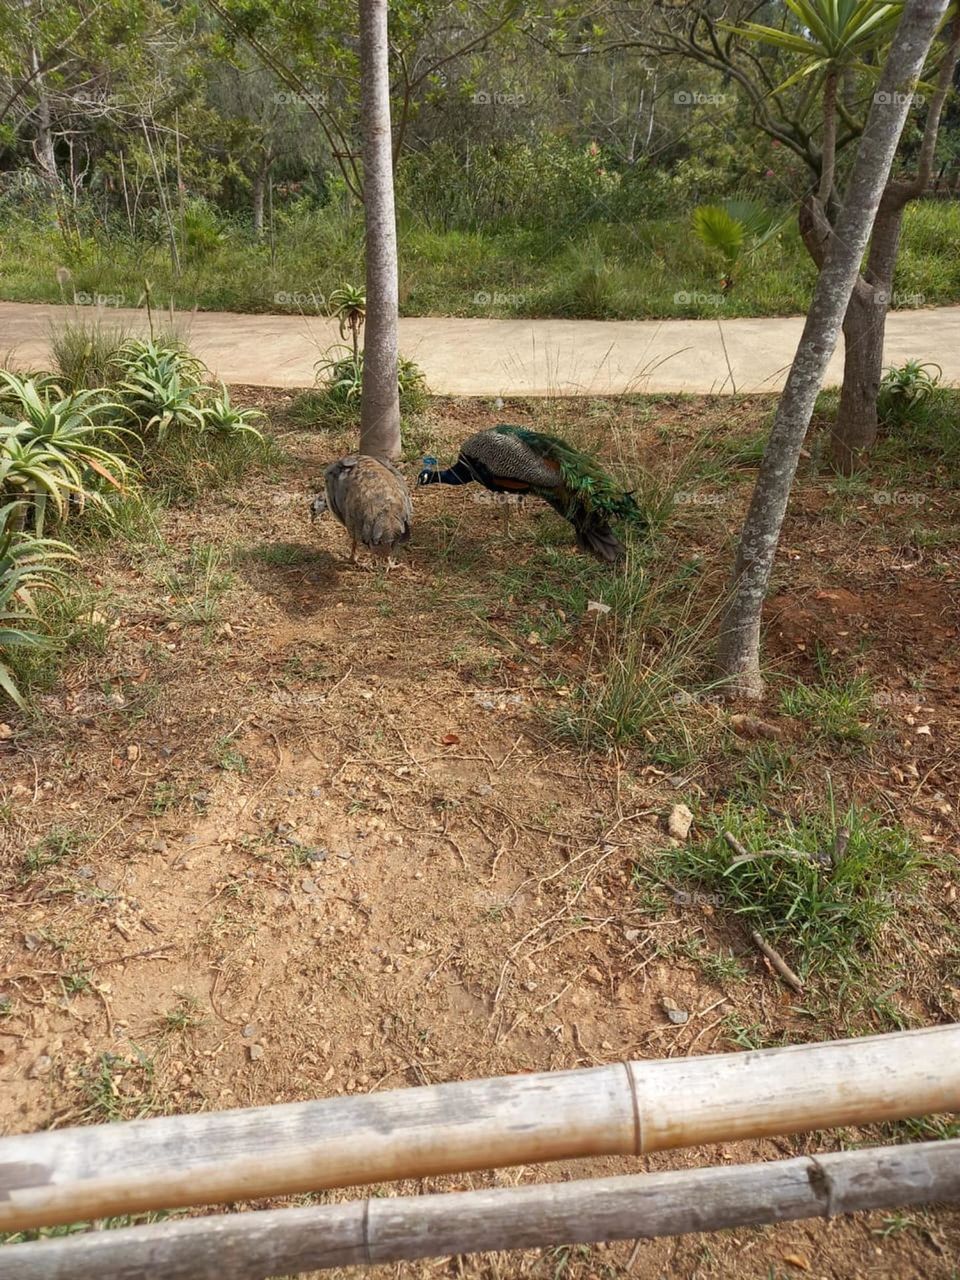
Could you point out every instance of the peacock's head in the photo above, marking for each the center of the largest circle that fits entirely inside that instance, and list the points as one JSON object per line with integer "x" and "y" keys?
{"x": 431, "y": 469}
{"x": 317, "y": 507}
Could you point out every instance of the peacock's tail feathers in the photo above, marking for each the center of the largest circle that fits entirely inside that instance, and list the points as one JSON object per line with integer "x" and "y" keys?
{"x": 584, "y": 481}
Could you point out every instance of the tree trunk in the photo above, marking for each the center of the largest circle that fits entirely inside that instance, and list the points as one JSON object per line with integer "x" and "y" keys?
{"x": 855, "y": 432}
{"x": 380, "y": 401}
{"x": 259, "y": 192}
{"x": 43, "y": 146}
{"x": 739, "y": 652}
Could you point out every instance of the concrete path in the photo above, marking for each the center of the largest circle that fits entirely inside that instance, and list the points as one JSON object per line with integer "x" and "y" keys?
{"x": 513, "y": 357}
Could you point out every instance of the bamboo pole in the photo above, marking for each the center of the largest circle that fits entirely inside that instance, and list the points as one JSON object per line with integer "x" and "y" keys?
{"x": 252, "y": 1246}
{"x": 70, "y": 1175}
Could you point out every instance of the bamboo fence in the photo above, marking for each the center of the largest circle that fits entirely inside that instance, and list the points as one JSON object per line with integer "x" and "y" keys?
{"x": 72, "y": 1175}
{"x": 252, "y": 1246}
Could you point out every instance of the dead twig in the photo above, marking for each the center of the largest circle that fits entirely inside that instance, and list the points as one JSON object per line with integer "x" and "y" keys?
{"x": 777, "y": 960}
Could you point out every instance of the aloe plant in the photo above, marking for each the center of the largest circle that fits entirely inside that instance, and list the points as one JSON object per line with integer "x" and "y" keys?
{"x": 220, "y": 414}
{"x": 26, "y": 564}
{"x": 160, "y": 385}
{"x": 54, "y": 446}
{"x": 349, "y": 305}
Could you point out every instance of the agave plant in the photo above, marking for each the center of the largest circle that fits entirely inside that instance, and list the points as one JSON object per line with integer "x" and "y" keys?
{"x": 904, "y": 388}
{"x": 732, "y": 228}
{"x": 26, "y": 563}
{"x": 160, "y": 385}
{"x": 53, "y": 446}
{"x": 220, "y": 414}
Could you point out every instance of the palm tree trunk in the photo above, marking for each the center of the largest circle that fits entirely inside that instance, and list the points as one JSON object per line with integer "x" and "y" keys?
{"x": 380, "y": 401}
{"x": 739, "y": 652}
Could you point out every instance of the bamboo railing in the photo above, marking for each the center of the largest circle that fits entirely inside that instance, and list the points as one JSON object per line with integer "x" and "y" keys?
{"x": 281, "y": 1242}
{"x": 71, "y": 1175}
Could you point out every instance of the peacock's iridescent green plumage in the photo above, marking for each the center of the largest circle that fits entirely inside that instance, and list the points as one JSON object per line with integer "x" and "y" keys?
{"x": 583, "y": 479}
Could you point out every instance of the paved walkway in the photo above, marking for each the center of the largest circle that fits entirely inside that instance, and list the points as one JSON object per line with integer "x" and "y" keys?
{"x": 514, "y": 357}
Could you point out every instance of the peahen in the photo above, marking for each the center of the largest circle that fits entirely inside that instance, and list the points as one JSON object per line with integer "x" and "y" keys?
{"x": 514, "y": 460}
{"x": 371, "y": 500}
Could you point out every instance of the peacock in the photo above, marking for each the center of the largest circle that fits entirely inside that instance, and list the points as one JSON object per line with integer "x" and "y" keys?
{"x": 371, "y": 500}
{"x": 513, "y": 460}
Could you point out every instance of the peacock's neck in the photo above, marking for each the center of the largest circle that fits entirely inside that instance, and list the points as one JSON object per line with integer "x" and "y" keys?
{"x": 458, "y": 474}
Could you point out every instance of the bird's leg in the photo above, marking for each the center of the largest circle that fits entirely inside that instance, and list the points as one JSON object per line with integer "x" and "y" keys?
{"x": 353, "y": 551}
{"x": 505, "y": 505}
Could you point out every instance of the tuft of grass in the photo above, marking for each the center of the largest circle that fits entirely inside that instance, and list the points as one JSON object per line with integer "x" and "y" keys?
{"x": 84, "y": 351}
{"x": 842, "y": 711}
{"x": 826, "y": 914}
{"x": 118, "y": 1087}
{"x": 184, "y": 1016}
{"x": 643, "y": 659}
{"x": 55, "y": 847}
{"x": 198, "y": 587}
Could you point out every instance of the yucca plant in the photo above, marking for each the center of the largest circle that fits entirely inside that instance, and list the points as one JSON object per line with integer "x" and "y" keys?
{"x": 26, "y": 564}
{"x": 221, "y": 415}
{"x": 732, "y": 228}
{"x": 827, "y": 35}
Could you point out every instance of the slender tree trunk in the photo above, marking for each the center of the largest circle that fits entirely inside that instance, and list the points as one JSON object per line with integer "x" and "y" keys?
{"x": 855, "y": 431}
{"x": 739, "y": 652}
{"x": 259, "y": 192}
{"x": 380, "y": 401}
{"x": 43, "y": 146}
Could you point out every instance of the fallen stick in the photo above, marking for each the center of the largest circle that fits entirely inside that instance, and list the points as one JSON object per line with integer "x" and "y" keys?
{"x": 252, "y": 1246}
{"x": 778, "y": 962}
{"x": 624, "y": 1108}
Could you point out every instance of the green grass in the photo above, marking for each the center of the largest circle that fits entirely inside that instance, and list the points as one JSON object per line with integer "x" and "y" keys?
{"x": 633, "y": 268}
{"x": 841, "y": 711}
{"x": 826, "y": 917}
{"x": 59, "y": 844}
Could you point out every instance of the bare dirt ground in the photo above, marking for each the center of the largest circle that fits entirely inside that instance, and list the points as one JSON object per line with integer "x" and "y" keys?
{"x": 303, "y": 829}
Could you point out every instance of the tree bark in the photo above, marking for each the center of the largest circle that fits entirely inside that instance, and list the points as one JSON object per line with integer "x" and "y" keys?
{"x": 855, "y": 432}
{"x": 739, "y": 651}
{"x": 258, "y": 194}
{"x": 43, "y": 146}
{"x": 380, "y": 400}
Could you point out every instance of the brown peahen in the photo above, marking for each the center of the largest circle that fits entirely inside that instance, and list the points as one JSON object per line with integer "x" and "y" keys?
{"x": 517, "y": 461}
{"x": 371, "y": 500}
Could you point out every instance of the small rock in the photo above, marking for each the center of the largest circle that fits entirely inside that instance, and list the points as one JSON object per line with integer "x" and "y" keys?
{"x": 6, "y": 731}
{"x": 133, "y": 752}
{"x": 84, "y": 873}
{"x": 597, "y": 606}
{"x": 249, "y": 1031}
{"x": 631, "y": 935}
{"x": 593, "y": 974}
{"x": 32, "y": 941}
{"x": 673, "y": 1011}
{"x": 679, "y": 821}
{"x": 308, "y": 884}
{"x": 42, "y": 1066}
{"x": 256, "y": 1052}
